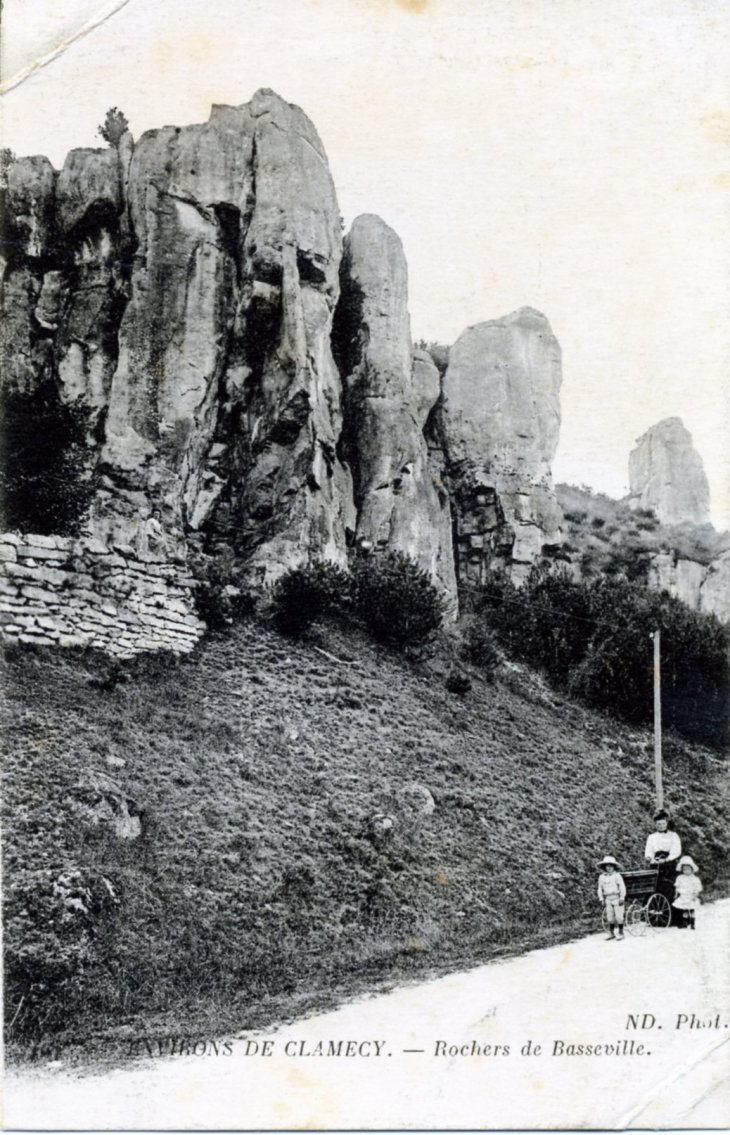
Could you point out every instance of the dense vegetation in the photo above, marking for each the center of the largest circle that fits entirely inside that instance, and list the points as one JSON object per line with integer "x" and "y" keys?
{"x": 44, "y": 478}
{"x": 593, "y": 639}
{"x": 388, "y": 592}
{"x": 607, "y": 537}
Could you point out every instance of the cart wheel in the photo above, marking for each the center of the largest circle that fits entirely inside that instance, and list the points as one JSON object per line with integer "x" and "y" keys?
{"x": 635, "y": 918}
{"x": 658, "y": 912}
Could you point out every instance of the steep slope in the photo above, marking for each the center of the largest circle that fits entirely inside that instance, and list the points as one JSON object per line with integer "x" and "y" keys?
{"x": 267, "y": 825}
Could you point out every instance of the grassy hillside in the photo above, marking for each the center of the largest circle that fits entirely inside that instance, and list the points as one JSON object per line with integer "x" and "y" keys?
{"x": 315, "y": 818}
{"x": 607, "y": 537}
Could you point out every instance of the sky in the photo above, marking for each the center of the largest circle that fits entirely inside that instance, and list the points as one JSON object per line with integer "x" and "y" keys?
{"x": 569, "y": 155}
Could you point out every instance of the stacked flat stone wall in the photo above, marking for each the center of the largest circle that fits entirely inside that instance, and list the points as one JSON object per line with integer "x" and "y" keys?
{"x": 78, "y": 592}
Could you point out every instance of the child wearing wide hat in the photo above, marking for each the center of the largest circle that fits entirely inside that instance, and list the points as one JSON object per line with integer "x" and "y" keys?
{"x": 687, "y": 890}
{"x": 612, "y": 896}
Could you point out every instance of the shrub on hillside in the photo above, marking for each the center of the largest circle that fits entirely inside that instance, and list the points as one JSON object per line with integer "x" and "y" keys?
{"x": 617, "y": 671}
{"x": 480, "y": 647}
{"x": 546, "y": 623}
{"x": 222, "y": 595}
{"x": 396, "y": 598}
{"x": 594, "y": 638}
{"x": 304, "y": 594}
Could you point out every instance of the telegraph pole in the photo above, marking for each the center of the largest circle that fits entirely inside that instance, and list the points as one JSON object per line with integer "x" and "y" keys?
{"x": 658, "y": 721}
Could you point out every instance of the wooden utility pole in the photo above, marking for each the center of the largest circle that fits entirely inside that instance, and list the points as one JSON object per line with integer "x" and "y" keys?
{"x": 658, "y": 721}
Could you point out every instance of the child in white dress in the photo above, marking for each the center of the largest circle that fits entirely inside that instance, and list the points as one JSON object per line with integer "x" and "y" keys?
{"x": 687, "y": 890}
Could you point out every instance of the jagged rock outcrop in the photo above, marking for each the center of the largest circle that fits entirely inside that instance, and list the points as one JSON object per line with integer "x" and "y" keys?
{"x": 233, "y": 384}
{"x": 182, "y": 291}
{"x": 501, "y": 423}
{"x": 389, "y": 392}
{"x": 703, "y": 587}
{"x": 64, "y": 287}
{"x": 666, "y": 475}
{"x": 681, "y": 577}
{"x": 226, "y": 388}
{"x": 715, "y": 590}
{"x": 28, "y": 219}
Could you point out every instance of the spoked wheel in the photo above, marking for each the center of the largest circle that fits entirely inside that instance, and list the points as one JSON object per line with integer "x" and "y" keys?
{"x": 636, "y": 918}
{"x": 658, "y": 912}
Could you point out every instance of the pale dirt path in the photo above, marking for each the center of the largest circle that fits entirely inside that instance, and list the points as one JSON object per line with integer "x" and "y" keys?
{"x": 581, "y": 992}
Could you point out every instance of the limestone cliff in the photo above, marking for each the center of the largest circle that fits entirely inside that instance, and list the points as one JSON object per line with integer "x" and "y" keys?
{"x": 501, "y": 424}
{"x": 244, "y": 384}
{"x": 666, "y": 474}
{"x": 389, "y": 393}
{"x": 63, "y": 279}
{"x": 225, "y": 405}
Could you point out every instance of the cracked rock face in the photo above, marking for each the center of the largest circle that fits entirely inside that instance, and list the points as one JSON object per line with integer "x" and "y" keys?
{"x": 389, "y": 394}
{"x": 224, "y": 407}
{"x": 666, "y": 475}
{"x": 63, "y": 281}
{"x": 715, "y": 590}
{"x": 501, "y": 423}
{"x": 248, "y": 389}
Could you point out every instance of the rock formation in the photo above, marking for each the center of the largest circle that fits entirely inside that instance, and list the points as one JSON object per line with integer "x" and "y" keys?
{"x": 715, "y": 590}
{"x": 501, "y": 423}
{"x": 241, "y": 385}
{"x": 702, "y": 586}
{"x": 226, "y": 388}
{"x": 666, "y": 475}
{"x": 389, "y": 393}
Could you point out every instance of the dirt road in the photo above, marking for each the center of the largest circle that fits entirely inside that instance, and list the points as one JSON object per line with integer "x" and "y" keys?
{"x": 459, "y": 1052}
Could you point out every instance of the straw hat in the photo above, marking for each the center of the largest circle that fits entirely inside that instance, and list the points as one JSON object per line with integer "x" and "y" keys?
{"x": 687, "y": 861}
{"x": 608, "y": 859}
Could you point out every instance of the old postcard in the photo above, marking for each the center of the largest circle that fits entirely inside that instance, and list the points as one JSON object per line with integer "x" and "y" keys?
{"x": 365, "y": 565}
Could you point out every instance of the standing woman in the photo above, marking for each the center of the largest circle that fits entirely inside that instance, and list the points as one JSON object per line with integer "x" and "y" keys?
{"x": 662, "y": 846}
{"x": 663, "y": 849}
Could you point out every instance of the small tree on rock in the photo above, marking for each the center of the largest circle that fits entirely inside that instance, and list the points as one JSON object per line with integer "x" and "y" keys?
{"x": 7, "y": 157}
{"x": 113, "y": 127}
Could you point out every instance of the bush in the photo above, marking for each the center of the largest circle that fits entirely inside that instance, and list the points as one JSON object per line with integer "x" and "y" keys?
{"x": 480, "y": 647}
{"x": 396, "y": 598}
{"x": 221, "y": 597}
{"x": 305, "y": 594}
{"x": 457, "y": 682}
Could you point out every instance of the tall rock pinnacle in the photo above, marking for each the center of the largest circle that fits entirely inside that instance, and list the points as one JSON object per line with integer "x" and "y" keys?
{"x": 388, "y": 396}
{"x": 502, "y": 421}
{"x": 666, "y": 474}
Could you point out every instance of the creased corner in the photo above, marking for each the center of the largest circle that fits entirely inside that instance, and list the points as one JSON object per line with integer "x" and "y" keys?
{"x": 105, "y": 14}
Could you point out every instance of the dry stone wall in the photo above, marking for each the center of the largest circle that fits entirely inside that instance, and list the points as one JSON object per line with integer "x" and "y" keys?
{"x": 57, "y": 590}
